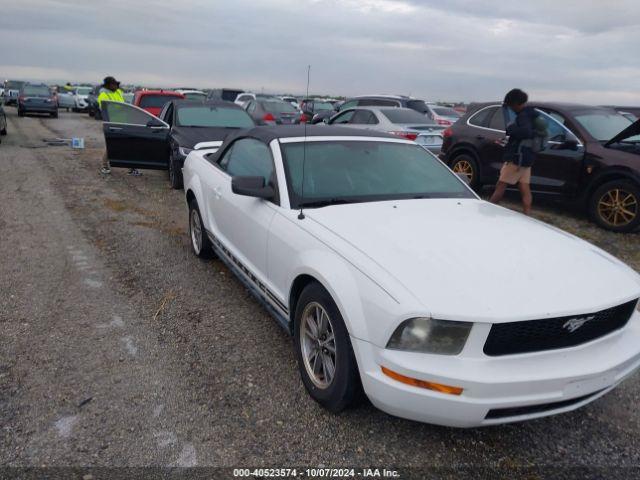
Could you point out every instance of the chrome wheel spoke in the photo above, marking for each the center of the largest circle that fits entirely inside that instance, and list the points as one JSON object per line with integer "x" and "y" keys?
{"x": 318, "y": 345}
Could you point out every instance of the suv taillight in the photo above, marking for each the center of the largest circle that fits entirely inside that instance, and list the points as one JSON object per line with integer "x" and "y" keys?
{"x": 268, "y": 117}
{"x": 447, "y": 133}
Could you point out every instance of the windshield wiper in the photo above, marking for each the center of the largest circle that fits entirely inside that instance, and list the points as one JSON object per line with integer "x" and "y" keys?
{"x": 326, "y": 202}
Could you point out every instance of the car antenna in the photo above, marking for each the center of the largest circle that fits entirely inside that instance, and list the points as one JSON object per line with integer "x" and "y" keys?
{"x": 304, "y": 153}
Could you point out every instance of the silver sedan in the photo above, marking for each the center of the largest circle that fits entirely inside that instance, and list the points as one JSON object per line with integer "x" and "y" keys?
{"x": 404, "y": 122}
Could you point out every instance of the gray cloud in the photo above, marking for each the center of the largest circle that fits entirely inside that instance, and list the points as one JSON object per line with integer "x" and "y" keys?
{"x": 458, "y": 50}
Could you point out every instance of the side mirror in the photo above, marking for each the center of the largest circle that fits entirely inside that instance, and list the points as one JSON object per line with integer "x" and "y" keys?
{"x": 570, "y": 144}
{"x": 251, "y": 187}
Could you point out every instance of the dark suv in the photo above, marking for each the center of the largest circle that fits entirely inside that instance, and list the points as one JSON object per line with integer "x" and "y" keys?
{"x": 592, "y": 157}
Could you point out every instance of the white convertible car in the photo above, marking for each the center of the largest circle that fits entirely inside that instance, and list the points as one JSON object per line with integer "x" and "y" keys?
{"x": 396, "y": 280}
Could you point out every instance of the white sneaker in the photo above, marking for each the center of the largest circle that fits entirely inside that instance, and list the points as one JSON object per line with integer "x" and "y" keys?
{"x": 105, "y": 171}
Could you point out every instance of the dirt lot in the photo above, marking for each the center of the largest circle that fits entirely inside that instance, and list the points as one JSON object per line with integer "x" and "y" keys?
{"x": 119, "y": 347}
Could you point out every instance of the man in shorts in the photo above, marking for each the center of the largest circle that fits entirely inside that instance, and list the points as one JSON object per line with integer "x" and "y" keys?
{"x": 519, "y": 153}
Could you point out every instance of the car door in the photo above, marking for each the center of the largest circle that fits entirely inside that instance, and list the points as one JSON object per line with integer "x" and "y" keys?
{"x": 134, "y": 137}
{"x": 243, "y": 222}
{"x": 558, "y": 167}
{"x": 342, "y": 118}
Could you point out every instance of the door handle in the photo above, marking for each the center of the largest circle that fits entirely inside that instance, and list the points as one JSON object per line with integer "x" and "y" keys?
{"x": 115, "y": 129}
{"x": 479, "y": 137}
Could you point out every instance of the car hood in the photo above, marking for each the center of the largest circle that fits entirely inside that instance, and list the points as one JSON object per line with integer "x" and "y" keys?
{"x": 471, "y": 260}
{"x": 630, "y": 131}
{"x": 189, "y": 136}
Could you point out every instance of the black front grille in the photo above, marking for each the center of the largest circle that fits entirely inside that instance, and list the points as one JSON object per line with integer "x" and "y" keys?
{"x": 541, "y": 407}
{"x": 552, "y": 333}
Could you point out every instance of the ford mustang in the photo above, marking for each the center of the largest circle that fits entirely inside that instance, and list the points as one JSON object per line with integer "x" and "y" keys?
{"x": 398, "y": 282}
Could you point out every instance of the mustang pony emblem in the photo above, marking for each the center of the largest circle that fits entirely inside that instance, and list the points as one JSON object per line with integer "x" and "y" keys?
{"x": 574, "y": 324}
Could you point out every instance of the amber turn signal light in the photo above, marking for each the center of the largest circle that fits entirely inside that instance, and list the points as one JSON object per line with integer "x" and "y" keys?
{"x": 438, "y": 387}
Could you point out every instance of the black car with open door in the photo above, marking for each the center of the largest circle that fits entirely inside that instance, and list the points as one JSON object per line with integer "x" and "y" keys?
{"x": 591, "y": 158}
{"x": 137, "y": 139}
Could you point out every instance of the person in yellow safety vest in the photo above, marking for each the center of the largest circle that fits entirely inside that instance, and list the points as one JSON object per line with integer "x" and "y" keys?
{"x": 111, "y": 92}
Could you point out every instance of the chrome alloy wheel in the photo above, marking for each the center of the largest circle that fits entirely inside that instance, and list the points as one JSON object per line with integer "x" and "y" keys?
{"x": 318, "y": 345}
{"x": 195, "y": 225}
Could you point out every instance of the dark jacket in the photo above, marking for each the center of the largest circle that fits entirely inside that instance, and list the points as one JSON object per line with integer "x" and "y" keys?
{"x": 521, "y": 134}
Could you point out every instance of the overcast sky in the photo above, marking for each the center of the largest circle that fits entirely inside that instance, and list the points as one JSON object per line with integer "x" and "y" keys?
{"x": 572, "y": 50}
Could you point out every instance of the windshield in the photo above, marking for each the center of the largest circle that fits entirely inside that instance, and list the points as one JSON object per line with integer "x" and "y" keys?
{"x": 418, "y": 106}
{"x": 277, "y": 106}
{"x": 39, "y": 90}
{"x": 446, "y": 112}
{"x": 360, "y": 171}
{"x": 194, "y": 95}
{"x": 405, "y": 115}
{"x": 603, "y": 126}
{"x": 155, "y": 101}
{"x": 204, "y": 116}
{"x": 13, "y": 85}
{"x": 83, "y": 91}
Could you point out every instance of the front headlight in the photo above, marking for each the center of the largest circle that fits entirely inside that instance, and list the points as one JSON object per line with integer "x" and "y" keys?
{"x": 427, "y": 335}
{"x": 184, "y": 151}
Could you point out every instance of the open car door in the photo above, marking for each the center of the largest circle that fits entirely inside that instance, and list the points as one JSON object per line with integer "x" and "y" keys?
{"x": 134, "y": 138}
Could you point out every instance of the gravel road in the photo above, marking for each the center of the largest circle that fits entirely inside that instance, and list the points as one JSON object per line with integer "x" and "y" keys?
{"x": 120, "y": 348}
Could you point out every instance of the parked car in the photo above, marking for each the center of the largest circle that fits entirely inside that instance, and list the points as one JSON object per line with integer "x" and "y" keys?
{"x": 37, "y": 98}
{"x": 316, "y": 111}
{"x": 416, "y": 104}
{"x": 402, "y": 122}
{"x": 246, "y": 97}
{"x": 153, "y": 100}
{"x": 81, "y": 98}
{"x": 137, "y": 139}
{"x": 441, "y": 115}
{"x": 353, "y": 240}
{"x": 192, "y": 94}
{"x": 272, "y": 111}
{"x": 226, "y": 94}
{"x": 580, "y": 164}
{"x": 65, "y": 99}
{"x": 12, "y": 91}
{"x": 3, "y": 121}
{"x": 292, "y": 100}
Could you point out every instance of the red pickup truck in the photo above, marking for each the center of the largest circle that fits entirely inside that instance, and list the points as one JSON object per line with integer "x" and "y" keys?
{"x": 153, "y": 100}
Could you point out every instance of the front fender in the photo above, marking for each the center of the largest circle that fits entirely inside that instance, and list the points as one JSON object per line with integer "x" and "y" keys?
{"x": 367, "y": 309}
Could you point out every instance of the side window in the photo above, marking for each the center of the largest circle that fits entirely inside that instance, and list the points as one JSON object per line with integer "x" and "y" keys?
{"x": 556, "y": 131}
{"x": 224, "y": 160}
{"x": 249, "y": 157}
{"x": 497, "y": 120}
{"x": 251, "y": 106}
{"x": 372, "y": 119}
{"x": 361, "y": 117}
{"x": 378, "y": 102}
{"x": 482, "y": 117}
{"x": 344, "y": 117}
{"x": 117, "y": 112}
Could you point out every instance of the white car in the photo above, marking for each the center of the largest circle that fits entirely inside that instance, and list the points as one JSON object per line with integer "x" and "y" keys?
{"x": 80, "y": 95}
{"x": 395, "y": 278}
{"x": 193, "y": 94}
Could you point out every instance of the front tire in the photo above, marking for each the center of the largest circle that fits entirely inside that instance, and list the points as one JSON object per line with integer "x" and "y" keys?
{"x": 175, "y": 173}
{"x": 466, "y": 164}
{"x": 200, "y": 243}
{"x": 615, "y": 206}
{"x": 326, "y": 360}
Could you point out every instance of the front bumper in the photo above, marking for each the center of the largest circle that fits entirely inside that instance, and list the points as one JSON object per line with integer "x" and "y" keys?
{"x": 38, "y": 108}
{"x": 499, "y": 389}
